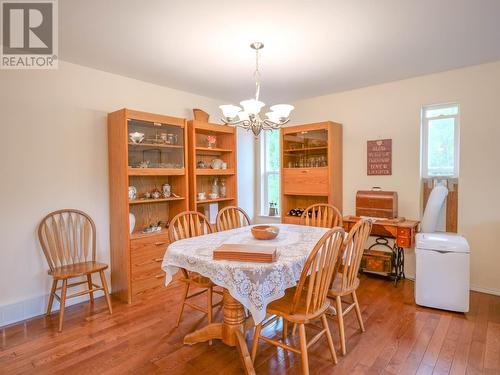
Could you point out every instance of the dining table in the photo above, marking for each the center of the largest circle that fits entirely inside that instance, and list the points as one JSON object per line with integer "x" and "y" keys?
{"x": 250, "y": 285}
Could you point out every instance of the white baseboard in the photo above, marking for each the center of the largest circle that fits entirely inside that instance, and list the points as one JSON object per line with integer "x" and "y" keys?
{"x": 495, "y": 292}
{"x": 31, "y": 307}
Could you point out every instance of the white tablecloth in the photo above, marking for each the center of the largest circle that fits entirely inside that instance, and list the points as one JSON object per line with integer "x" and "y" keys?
{"x": 254, "y": 285}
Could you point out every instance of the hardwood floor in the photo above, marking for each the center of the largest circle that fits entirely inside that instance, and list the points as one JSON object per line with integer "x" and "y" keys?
{"x": 400, "y": 338}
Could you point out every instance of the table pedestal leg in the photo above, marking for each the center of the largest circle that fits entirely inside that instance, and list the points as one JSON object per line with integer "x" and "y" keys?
{"x": 230, "y": 331}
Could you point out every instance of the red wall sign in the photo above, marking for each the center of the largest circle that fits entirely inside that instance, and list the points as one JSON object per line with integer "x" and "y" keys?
{"x": 379, "y": 157}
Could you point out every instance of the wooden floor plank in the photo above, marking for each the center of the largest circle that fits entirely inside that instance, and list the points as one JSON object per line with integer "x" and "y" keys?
{"x": 400, "y": 338}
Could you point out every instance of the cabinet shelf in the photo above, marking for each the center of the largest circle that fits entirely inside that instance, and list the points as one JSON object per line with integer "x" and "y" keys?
{"x": 145, "y": 201}
{"x": 204, "y": 201}
{"x": 156, "y": 171}
{"x": 292, "y": 150}
{"x": 214, "y": 172}
{"x": 138, "y": 234}
{"x": 211, "y": 151}
{"x": 153, "y": 145}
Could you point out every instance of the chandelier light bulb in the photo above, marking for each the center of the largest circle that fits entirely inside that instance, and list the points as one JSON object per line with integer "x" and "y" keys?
{"x": 230, "y": 111}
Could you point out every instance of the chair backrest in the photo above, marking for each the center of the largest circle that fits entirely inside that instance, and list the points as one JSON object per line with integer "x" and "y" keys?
{"x": 321, "y": 215}
{"x": 353, "y": 248}
{"x": 67, "y": 237}
{"x": 188, "y": 224}
{"x": 231, "y": 217}
{"x": 318, "y": 271}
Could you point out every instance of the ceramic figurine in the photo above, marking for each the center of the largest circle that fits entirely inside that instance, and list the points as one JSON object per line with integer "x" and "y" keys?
{"x": 156, "y": 194}
{"x": 136, "y": 137}
{"x": 132, "y": 193}
{"x": 131, "y": 221}
{"x": 211, "y": 140}
{"x": 167, "y": 192}
{"x": 222, "y": 188}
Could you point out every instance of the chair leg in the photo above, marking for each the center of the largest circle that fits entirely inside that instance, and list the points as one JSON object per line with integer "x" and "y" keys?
{"x": 209, "y": 308}
{"x": 51, "y": 296}
{"x": 340, "y": 320}
{"x": 256, "y": 341}
{"x": 303, "y": 349}
{"x": 294, "y": 329}
{"x": 285, "y": 329}
{"x": 186, "y": 291}
{"x": 358, "y": 311}
{"x": 209, "y": 304}
{"x": 63, "y": 302}
{"x": 329, "y": 338}
{"x": 106, "y": 292}
{"x": 89, "y": 282}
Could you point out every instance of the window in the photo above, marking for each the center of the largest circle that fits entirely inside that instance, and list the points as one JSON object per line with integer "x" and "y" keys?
{"x": 269, "y": 169}
{"x": 440, "y": 140}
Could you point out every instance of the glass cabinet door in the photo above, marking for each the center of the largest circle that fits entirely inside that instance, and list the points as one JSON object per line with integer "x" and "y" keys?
{"x": 155, "y": 145}
{"x": 306, "y": 149}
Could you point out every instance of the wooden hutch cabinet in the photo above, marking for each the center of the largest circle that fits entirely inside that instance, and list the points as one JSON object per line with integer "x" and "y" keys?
{"x": 212, "y": 162}
{"x": 148, "y": 178}
{"x": 311, "y": 167}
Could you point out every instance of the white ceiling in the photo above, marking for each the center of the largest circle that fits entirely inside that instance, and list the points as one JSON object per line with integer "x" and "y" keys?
{"x": 311, "y": 47}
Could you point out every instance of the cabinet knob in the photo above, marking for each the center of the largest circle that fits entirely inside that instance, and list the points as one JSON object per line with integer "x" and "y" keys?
{"x": 157, "y": 259}
{"x": 305, "y": 171}
{"x": 159, "y": 276}
{"x": 159, "y": 243}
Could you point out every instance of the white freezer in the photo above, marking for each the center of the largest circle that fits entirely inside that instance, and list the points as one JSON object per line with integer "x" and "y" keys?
{"x": 442, "y": 273}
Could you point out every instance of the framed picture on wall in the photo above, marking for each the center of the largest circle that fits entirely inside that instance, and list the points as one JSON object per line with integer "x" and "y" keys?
{"x": 379, "y": 157}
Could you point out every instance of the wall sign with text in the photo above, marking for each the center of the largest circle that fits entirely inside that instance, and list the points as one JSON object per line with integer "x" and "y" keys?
{"x": 379, "y": 157}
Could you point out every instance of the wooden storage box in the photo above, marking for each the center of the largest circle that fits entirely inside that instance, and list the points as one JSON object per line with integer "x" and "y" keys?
{"x": 377, "y": 203}
{"x": 377, "y": 261}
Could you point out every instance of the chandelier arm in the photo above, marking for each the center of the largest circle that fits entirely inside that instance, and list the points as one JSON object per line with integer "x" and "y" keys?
{"x": 275, "y": 125}
{"x": 236, "y": 123}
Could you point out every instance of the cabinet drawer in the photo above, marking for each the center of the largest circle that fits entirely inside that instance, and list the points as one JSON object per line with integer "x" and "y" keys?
{"x": 147, "y": 282}
{"x": 306, "y": 181}
{"x": 147, "y": 258}
{"x": 159, "y": 239}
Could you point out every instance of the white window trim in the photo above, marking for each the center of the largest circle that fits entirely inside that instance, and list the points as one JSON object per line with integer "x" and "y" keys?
{"x": 424, "y": 140}
{"x": 264, "y": 174}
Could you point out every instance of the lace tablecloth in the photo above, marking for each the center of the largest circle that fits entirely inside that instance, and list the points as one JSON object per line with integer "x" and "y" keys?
{"x": 254, "y": 285}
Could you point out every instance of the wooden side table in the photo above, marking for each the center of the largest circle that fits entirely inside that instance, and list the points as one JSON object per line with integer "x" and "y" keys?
{"x": 401, "y": 230}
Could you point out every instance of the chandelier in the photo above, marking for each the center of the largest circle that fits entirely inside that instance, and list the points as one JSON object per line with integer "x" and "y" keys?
{"x": 249, "y": 118}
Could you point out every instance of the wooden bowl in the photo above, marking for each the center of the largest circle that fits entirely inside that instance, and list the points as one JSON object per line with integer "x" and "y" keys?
{"x": 265, "y": 232}
{"x": 200, "y": 115}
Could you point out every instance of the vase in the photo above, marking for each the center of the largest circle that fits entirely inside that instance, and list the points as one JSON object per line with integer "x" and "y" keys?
{"x": 131, "y": 221}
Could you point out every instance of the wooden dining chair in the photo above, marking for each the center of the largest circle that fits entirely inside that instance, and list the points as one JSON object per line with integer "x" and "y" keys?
{"x": 68, "y": 240}
{"x": 231, "y": 217}
{"x": 321, "y": 215}
{"x": 307, "y": 302}
{"x": 346, "y": 280}
{"x": 186, "y": 225}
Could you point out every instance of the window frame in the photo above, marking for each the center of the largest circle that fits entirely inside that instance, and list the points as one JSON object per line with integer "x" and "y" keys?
{"x": 424, "y": 159}
{"x": 265, "y": 174}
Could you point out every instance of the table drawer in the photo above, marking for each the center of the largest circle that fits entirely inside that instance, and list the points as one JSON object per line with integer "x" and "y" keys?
{"x": 404, "y": 242}
{"x": 305, "y": 181}
{"x": 404, "y": 232}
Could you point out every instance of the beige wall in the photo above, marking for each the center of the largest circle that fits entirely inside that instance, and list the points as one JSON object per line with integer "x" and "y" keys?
{"x": 54, "y": 155}
{"x": 392, "y": 110}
